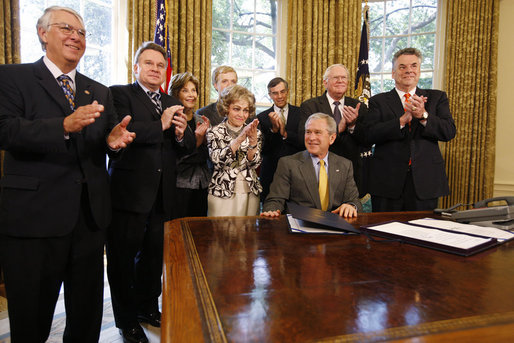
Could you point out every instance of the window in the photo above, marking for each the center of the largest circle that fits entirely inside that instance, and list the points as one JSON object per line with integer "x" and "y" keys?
{"x": 97, "y": 62}
{"x": 398, "y": 24}
{"x": 244, "y": 35}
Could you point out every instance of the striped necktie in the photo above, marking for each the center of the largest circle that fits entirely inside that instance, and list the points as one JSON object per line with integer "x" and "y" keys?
{"x": 156, "y": 99}
{"x": 65, "y": 82}
{"x": 323, "y": 186}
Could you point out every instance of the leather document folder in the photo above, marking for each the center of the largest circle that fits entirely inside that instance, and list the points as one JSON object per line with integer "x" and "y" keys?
{"x": 429, "y": 237}
{"x": 325, "y": 219}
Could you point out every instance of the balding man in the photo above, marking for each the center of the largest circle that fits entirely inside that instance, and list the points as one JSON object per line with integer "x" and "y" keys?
{"x": 345, "y": 111}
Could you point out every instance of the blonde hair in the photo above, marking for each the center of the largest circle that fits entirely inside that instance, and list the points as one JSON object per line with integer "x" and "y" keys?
{"x": 232, "y": 94}
{"x": 221, "y": 70}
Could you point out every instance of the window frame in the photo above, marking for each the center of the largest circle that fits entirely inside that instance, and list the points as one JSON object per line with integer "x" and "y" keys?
{"x": 119, "y": 39}
{"x": 438, "y": 62}
{"x": 280, "y": 47}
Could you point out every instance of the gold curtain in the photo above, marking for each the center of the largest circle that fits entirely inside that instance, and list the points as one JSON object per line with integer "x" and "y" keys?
{"x": 9, "y": 41}
{"x": 321, "y": 33}
{"x": 471, "y": 80}
{"x": 140, "y": 25}
{"x": 190, "y": 41}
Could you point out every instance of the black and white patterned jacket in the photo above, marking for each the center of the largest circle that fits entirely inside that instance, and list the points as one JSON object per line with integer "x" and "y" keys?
{"x": 227, "y": 165}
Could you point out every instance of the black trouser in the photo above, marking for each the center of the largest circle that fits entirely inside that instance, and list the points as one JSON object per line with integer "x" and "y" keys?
{"x": 190, "y": 203}
{"x": 134, "y": 263}
{"x": 35, "y": 268}
{"x": 408, "y": 201}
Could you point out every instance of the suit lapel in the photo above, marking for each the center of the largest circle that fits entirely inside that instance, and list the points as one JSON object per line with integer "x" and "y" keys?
{"x": 334, "y": 177}
{"x": 51, "y": 86}
{"x": 324, "y": 104}
{"x": 145, "y": 100}
{"x": 394, "y": 103}
{"x": 309, "y": 176}
{"x": 292, "y": 123}
{"x": 83, "y": 92}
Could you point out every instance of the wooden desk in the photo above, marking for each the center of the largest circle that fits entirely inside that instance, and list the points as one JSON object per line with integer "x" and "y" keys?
{"x": 246, "y": 279}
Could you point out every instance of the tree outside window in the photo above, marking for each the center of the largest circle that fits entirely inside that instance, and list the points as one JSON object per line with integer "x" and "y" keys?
{"x": 97, "y": 14}
{"x": 398, "y": 24}
{"x": 244, "y": 36}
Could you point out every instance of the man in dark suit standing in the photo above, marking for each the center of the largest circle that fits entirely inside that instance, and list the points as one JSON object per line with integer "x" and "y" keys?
{"x": 279, "y": 125}
{"x": 56, "y": 126}
{"x": 345, "y": 111}
{"x": 405, "y": 124}
{"x": 222, "y": 77}
{"x": 315, "y": 177}
{"x": 142, "y": 184}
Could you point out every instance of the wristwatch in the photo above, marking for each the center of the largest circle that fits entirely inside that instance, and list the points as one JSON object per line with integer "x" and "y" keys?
{"x": 425, "y": 116}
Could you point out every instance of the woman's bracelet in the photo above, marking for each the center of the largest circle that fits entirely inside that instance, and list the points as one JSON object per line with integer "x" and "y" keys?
{"x": 252, "y": 147}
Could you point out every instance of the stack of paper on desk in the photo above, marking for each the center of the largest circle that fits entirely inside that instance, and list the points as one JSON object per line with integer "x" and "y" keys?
{"x": 461, "y": 239}
{"x": 481, "y": 231}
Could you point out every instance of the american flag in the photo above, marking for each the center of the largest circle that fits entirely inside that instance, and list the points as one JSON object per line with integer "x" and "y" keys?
{"x": 162, "y": 38}
{"x": 362, "y": 83}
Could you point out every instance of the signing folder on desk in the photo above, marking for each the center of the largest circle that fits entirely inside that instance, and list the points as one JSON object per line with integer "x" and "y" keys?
{"x": 434, "y": 235}
{"x": 311, "y": 220}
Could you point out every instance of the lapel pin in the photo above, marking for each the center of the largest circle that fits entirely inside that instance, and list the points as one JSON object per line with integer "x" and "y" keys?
{"x": 87, "y": 92}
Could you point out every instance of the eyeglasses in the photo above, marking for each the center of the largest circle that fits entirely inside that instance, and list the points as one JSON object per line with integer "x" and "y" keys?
{"x": 282, "y": 92}
{"x": 339, "y": 78}
{"x": 68, "y": 30}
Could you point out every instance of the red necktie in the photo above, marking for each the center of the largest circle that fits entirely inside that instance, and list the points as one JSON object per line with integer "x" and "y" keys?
{"x": 407, "y": 96}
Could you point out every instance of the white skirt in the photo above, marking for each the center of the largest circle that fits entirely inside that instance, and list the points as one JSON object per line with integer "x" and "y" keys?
{"x": 240, "y": 204}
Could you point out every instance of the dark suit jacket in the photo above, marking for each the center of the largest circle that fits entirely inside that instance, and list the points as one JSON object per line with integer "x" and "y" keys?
{"x": 211, "y": 112}
{"x": 44, "y": 173}
{"x": 274, "y": 147}
{"x": 394, "y": 146}
{"x": 348, "y": 145}
{"x": 295, "y": 180}
{"x": 150, "y": 161}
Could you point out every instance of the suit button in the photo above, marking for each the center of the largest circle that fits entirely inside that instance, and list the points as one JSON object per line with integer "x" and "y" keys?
{"x": 159, "y": 170}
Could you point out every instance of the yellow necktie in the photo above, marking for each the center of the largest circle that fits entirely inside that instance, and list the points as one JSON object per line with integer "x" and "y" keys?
{"x": 323, "y": 185}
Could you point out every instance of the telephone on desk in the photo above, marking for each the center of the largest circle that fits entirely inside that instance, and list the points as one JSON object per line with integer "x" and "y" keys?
{"x": 501, "y": 216}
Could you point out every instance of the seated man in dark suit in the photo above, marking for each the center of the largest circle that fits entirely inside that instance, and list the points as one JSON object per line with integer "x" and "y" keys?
{"x": 279, "y": 126}
{"x": 222, "y": 77}
{"x": 315, "y": 177}
{"x": 407, "y": 169}
{"x": 345, "y": 111}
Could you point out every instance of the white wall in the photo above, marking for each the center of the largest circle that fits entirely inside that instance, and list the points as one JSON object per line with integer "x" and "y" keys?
{"x": 504, "y": 168}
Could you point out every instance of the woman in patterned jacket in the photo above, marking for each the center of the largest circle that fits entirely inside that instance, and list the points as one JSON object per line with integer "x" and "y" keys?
{"x": 235, "y": 151}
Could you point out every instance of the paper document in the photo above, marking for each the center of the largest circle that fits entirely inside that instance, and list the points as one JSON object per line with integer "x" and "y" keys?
{"x": 483, "y": 231}
{"x": 449, "y": 239}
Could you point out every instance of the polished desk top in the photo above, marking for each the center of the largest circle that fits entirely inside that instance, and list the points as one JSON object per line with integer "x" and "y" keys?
{"x": 246, "y": 279}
